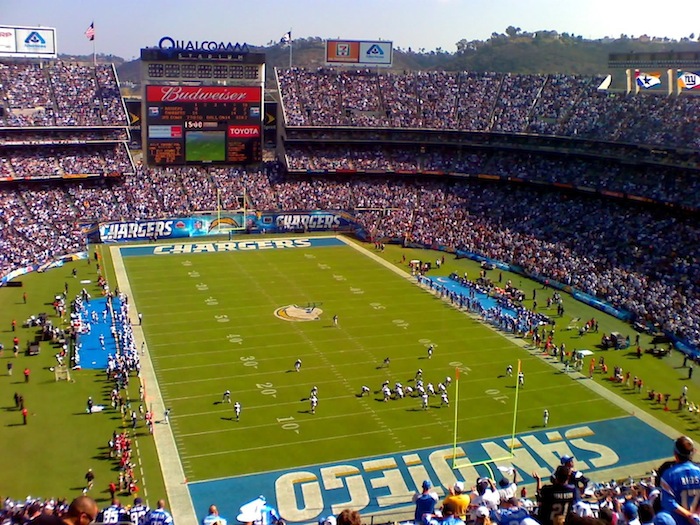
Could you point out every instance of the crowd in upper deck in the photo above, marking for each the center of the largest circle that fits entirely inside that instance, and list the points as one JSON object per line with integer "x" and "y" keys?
{"x": 563, "y": 105}
{"x": 60, "y": 94}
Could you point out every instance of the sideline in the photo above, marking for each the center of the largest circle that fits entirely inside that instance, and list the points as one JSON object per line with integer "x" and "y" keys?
{"x": 181, "y": 505}
{"x": 600, "y": 390}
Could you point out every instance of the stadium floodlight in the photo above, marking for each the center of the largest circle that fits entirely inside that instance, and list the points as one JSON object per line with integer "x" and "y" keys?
{"x": 456, "y": 464}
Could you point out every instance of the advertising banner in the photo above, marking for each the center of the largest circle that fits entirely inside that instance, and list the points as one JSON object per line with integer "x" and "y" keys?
{"x": 227, "y": 223}
{"x": 27, "y": 42}
{"x": 359, "y": 52}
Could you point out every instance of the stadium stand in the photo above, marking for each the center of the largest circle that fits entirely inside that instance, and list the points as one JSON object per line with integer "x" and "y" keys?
{"x": 642, "y": 260}
{"x": 625, "y": 232}
{"x": 561, "y": 105}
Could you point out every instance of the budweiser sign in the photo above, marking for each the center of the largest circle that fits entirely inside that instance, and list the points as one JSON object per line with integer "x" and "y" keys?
{"x": 202, "y": 94}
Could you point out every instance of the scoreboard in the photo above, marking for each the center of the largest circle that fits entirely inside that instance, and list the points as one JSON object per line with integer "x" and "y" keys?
{"x": 191, "y": 125}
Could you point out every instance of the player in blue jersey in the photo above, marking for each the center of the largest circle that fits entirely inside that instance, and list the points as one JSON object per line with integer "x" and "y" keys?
{"x": 115, "y": 513}
{"x": 138, "y": 512}
{"x": 558, "y": 498}
{"x": 510, "y": 513}
{"x": 159, "y": 516}
{"x": 213, "y": 518}
{"x": 680, "y": 485}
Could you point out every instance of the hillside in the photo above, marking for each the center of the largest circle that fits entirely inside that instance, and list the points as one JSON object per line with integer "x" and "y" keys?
{"x": 510, "y": 52}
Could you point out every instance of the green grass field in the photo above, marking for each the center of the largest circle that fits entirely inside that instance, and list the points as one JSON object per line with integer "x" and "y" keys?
{"x": 205, "y": 146}
{"x": 215, "y": 329}
{"x": 210, "y": 326}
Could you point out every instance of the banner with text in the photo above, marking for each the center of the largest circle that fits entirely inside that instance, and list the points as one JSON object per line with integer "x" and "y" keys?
{"x": 386, "y": 484}
{"x": 228, "y": 223}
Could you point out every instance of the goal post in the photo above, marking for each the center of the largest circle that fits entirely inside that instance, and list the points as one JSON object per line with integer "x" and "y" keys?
{"x": 458, "y": 463}
{"x": 227, "y": 225}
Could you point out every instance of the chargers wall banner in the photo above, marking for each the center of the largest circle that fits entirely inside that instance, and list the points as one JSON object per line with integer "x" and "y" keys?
{"x": 228, "y": 223}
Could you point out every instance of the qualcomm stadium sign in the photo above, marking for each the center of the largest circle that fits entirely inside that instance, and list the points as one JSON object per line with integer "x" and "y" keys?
{"x": 201, "y": 45}
{"x": 227, "y": 223}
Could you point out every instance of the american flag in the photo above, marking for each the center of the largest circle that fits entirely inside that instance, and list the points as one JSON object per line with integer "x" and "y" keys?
{"x": 90, "y": 32}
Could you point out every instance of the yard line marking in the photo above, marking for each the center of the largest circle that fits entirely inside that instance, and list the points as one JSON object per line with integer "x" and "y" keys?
{"x": 429, "y": 424}
{"x": 411, "y": 426}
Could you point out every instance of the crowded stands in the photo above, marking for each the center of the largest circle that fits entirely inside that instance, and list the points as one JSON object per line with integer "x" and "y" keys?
{"x": 570, "y": 106}
{"x": 639, "y": 258}
{"x": 642, "y": 260}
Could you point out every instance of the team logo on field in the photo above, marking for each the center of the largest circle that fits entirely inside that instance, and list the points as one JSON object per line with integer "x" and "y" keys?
{"x": 293, "y": 312}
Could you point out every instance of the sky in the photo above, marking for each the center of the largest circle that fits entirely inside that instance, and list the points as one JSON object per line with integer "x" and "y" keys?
{"x": 123, "y": 27}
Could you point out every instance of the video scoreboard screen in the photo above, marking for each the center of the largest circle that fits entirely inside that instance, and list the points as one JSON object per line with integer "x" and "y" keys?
{"x": 203, "y": 125}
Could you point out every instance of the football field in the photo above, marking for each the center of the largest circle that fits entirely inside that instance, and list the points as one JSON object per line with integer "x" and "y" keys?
{"x": 238, "y": 315}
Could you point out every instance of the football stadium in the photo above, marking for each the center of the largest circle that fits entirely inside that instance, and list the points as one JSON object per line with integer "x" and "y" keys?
{"x": 414, "y": 286}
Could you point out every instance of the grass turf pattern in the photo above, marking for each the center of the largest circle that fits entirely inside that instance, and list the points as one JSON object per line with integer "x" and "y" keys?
{"x": 210, "y": 326}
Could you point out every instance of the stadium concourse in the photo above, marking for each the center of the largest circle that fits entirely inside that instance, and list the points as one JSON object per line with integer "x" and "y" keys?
{"x": 638, "y": 257}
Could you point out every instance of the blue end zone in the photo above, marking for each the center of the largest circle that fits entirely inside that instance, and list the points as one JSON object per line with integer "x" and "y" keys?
{"x": 386, "y": 483}
{"x": 230, "y": 246}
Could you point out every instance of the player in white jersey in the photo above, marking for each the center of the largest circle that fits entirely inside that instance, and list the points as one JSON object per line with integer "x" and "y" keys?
{"x": 297, "y": 365}
{"x": 430, "y": 351}
{"x": 409, "y": 390}
{"x": 442, "y": 388}
{"x": 237, "y": 410}
{"x": 314, "y": 391}
{"x": 385, "y": 384}
{"x": 545, "y": 418}
{"x": 335, "y": 320}
{"x": 314, "y": 404}
{"x": 365, "y": 390}
{"x": 509, "y": 371}
{"x": 387, "y": 362}
{"x": 521, "y": 379}
{"x": 424, "y": 404}
{"x": 445, "y": 400}
{"x": 420, "y": 390}
{"x": 399, "y": 392}
{"x": 227, "y": 396}
{"x": 419, "y": 374}
{"x": 448, "y": 381}
{"x": 430, "y": 389}
{"x": 387, "y": 393}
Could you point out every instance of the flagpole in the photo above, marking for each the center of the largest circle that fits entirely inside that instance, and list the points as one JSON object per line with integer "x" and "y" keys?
{"x": 94, "y": 48}
{"x": 291, "y": 45}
